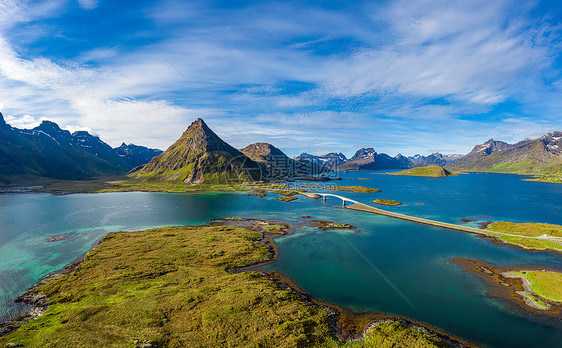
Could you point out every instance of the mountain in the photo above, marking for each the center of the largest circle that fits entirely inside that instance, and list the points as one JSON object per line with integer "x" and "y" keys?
{"x": 48, "y": 152}
{"x": 369, "y": 159}
{"x": 279, "y": 166}
{"x": 331, "y": 161}
{"x": 136, "y": 155}
{"x": 434, "y": 159}
{"x": 539, "y": 156}
{"x": 198, "y": 156}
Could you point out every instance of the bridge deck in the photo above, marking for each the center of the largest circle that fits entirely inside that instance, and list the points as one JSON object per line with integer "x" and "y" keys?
{"x": 367, "y": 208}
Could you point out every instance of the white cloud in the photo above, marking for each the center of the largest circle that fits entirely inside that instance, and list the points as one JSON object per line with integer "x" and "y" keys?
{"x": 88, "y": 4}
{"x": 22, "y": 122}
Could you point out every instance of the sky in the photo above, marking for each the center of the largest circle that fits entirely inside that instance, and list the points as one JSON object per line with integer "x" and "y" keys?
{"x": 317, "y": 76}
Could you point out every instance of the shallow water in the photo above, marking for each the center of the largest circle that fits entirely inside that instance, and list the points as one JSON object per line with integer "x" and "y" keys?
{"x": 387, "y": 265}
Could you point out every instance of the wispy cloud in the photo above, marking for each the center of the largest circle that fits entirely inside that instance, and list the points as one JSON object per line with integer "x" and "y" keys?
{"x": 281, "y": 72}
{"x": 88, "y": 4}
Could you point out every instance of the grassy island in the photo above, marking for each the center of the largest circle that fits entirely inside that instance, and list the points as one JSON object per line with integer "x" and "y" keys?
{"x": 169, "y": 287}
{"x": 544, "y": 284}
{"x": 532, "y": 288}
{"x": 257, "y": 193}
{"x": 545, "y": 236}
{"x": 387, "y": 202}
{"x": 429, "y": 171}
{"x": 357, "y": 189}
{"x": 286, "y": 198}
{"x": 285, "y": 192}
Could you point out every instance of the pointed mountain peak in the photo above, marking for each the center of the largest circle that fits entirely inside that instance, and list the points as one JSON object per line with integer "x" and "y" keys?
{"x": 2, "y": 121}
{"x": 199, "y": 155}
{"x": 199, "y": 124}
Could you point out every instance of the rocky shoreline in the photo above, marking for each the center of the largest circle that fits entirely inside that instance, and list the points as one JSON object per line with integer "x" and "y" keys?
{"x": 511, "y": 289}
{"x": 39, "y": 302}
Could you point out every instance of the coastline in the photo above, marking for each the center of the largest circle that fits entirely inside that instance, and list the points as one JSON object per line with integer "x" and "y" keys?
{"x": 39, "y": 302}
{"x": 511, "y": 289}
{"x": 345, "y": 324}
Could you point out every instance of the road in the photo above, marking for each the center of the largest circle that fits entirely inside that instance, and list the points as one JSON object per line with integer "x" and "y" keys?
{"x": 367, "y": 208}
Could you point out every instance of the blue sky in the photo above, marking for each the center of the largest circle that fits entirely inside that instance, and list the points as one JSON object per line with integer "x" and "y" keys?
{"x": 302, "y": 75}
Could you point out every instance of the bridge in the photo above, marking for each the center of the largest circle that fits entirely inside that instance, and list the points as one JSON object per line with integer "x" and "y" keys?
{"x": 324, "y": 195}
{"x": 369, "y": 209}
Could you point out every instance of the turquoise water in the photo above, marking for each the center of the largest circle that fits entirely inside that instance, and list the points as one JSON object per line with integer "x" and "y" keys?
{"x": 387, "y": 265}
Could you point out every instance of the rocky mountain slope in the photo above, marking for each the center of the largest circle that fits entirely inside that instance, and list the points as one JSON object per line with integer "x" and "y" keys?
{"x": 434, "y": 159}
{"x": 279, "y": 166}
{"x": 48, "y": 152}
{"x": 369, "y": 159}
{"x": 198, "y": 156}
{"x": 331, "y": 161}
{"x": 136, "y": 155}
{"x": 539, "y": 156}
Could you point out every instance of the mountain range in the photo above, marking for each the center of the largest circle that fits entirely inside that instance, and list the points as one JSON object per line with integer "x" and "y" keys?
{"x": 369, "y": 159}
{"x": 199, "y": 155}
{"x": 330, "y": 161}
{"x": 49, "y": 152}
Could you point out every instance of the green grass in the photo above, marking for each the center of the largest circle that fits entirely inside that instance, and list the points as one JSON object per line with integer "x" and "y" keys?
{"x": 552, "y": 178}
{"x": 169, "y": 286}
{"x": 272, "y": 227}
{"x": 386, "y": 202}
{"x": 257, "y": 193}
{"x": 527, "y": 229}
{"x": 286, "y": 192}
{"x": 429, "y": 171}
{"x": 287, "y": 198}
{"x": 127, "y": 185}
{"x": 395, "y": 334}
{"x": 358, "y": 189}
{"x": 544, "y": 284}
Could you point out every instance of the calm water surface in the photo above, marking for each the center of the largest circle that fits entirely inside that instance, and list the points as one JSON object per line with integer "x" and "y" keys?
{"x": 341, "y": 267}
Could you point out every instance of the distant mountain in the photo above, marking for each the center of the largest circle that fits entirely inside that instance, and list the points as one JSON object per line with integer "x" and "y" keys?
{"x": 198, "y": 156}
{"x": 433, "y": 159}
{"x": 539, "y": 156}
{"x": 331, "y": 161}
{"x": 369, "y": 159}
{"x": 47, "y": 151}
{"x": 136, "y": 155}
{"x": 278, "y": 165}
{"x": 483, "y": 150}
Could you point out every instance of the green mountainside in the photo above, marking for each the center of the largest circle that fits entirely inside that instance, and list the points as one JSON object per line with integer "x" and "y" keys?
{"x": 198, "y": 156}
{"x": 48, "y": 152}
{"x": 535, "y": 157}
{"x": 431, "y": 171}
